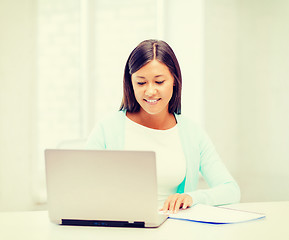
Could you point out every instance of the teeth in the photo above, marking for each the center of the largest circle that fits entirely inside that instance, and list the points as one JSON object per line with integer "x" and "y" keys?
{"x": 151, "y": 101}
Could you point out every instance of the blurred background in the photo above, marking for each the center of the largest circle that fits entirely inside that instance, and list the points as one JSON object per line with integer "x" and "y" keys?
{"x": 61, "y": 69}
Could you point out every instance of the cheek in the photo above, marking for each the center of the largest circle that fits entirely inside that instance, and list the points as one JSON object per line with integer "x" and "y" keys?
{"x": 137, "y": 93}
{"x": 170, "y": 91}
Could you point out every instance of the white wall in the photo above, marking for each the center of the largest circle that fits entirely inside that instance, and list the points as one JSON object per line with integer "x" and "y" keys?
{"x": 263, "y": 99}
{"x": 240, "y": 49}
{"x": 184, "y": 31}
{"x": 220, "y": 79}
{"x": 17, "y": 102}
{"x": 247, "y": 92}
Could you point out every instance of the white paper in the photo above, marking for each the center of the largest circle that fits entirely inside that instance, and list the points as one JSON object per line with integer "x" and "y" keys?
{"x": 215, "y": 215}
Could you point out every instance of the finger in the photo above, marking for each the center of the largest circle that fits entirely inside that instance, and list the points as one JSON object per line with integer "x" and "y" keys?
{"x": 188, "y": 202}
{"x": 166, "y": 204}
{"x": 165, "y": 207}
{"x": 173, "y": 202}
{"x": 178, "y": 204}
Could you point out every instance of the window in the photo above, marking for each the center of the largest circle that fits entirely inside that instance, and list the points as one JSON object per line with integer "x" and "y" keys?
{"x": 81, "y": 65}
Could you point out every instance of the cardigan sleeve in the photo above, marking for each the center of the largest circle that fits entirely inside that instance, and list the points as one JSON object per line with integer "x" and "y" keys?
{"x": 96, "y": 139}
{"x": 223, "y": 189}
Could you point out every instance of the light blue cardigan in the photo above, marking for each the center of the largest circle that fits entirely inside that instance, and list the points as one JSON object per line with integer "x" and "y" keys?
{"x": 200, "y": 155}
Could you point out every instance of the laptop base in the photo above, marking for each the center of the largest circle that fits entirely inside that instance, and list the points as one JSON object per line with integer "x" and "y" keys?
{"x": 102, "y": 223}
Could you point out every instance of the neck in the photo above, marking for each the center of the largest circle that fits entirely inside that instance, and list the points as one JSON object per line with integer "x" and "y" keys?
{"x": 161, "y": 121}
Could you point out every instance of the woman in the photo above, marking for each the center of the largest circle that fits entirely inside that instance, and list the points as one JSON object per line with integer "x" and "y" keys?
{"x": 150, "y": 119}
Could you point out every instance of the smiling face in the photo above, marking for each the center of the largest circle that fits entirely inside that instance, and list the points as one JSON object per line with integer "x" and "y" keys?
{"x": 153, "y": 86}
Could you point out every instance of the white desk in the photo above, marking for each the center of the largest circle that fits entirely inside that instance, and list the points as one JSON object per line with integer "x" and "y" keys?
{"x": 36, "y": 225}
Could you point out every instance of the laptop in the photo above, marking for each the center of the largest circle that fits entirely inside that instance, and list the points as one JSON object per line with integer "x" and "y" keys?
{"x": 102, "y": 188}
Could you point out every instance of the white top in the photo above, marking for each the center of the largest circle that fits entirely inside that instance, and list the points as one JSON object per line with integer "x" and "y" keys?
{"x": 170, "y": 159}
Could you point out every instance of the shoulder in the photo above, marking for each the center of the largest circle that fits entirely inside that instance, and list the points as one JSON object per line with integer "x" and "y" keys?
{"x": 112, "y": 119}
{"x": 188, "y": 124}
{"x": 109, "y": 124}
{"x": 191, "y": 131}
{"x": 108, "y": 132}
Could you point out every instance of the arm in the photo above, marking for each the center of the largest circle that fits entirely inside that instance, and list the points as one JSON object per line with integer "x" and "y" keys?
{"x": 223, "y": 188}
{"x": 202, "y": 157}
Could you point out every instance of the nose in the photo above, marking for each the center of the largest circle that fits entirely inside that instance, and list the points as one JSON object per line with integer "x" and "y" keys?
{"x": 151, "y": 90}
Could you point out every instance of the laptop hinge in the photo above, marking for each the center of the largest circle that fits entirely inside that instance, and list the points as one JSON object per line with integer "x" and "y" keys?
{"x": 102, "y": 223}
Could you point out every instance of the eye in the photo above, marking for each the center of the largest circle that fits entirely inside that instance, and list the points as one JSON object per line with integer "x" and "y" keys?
{"x": 140, "y": 83}
{"x": 160, "y": 82}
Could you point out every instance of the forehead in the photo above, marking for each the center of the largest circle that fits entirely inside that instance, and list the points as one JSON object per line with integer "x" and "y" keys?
{"x": 153, "y": 68}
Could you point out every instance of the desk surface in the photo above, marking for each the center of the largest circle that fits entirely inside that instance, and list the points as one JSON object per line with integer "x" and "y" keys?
{"x": 36, "y": 225}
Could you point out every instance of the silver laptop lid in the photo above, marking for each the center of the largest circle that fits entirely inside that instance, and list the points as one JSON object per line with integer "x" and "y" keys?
{"x": 101, "y": 186}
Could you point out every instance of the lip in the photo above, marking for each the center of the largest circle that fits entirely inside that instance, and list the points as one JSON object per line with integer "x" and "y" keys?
{"x": 152, "y": 101}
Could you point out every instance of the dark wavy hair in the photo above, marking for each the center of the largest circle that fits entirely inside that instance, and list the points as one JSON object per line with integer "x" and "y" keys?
{"x": 145, "y": 52}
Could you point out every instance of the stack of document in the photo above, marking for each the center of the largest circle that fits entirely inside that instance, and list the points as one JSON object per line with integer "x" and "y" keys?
{"x": 215, "y": 215}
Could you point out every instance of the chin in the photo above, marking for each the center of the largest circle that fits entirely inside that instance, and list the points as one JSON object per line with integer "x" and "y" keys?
{"x": 152, "y": 112}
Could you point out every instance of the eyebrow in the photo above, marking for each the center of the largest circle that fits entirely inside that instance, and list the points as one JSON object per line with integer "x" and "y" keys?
{"x": 154, "y": 76}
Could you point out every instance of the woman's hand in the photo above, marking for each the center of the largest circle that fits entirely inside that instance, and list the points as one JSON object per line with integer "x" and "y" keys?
{"x": 177, "y": 201}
